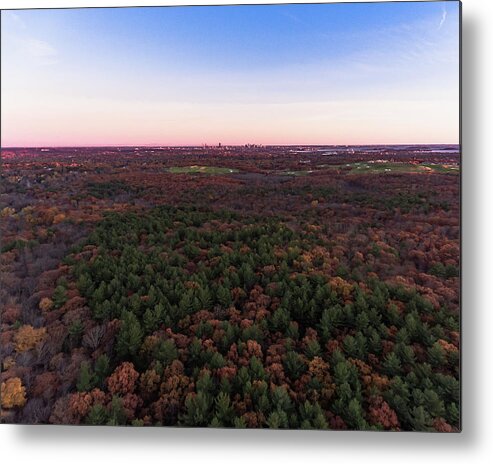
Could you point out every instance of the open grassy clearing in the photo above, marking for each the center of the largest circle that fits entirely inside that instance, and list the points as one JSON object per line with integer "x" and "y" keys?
{"x": 201, "y": 170}
{"x": 294, "y": 173}
{"x": 445, "y": 168}
{"x": 371, "y": 168}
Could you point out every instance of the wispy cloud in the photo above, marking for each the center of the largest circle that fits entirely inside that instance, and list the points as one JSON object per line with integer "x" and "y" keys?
{"x": 444, "y": 18}
{"x": 20, "y": 38}
{"x": 39, "y": 51}
{"x": 39, "y": 48}
{"x": 16, "y": 20}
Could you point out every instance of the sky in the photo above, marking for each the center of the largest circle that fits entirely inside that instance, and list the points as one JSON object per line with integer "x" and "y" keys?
{"x": 360, "y": 73}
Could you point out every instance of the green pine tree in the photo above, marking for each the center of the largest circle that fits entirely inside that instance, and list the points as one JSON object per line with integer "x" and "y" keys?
{"x": 86, "y": 378}
{"x": 130, "y": 336}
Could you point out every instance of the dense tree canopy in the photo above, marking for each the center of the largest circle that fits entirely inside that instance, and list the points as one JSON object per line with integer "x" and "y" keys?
{"x": 253, "y": 299}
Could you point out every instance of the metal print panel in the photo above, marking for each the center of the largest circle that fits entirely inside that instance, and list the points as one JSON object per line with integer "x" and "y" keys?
{"x": 235, "y": 216}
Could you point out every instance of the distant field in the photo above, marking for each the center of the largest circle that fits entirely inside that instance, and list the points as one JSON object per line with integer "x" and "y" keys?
{"x": 397, "y": 167}
{"x": 201, "y": 170}
{"x": 373, "y": 168}
{"x": 294, "y": 173}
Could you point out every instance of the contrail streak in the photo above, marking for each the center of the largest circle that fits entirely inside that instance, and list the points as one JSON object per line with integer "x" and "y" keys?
{"x": 444, "y": 17}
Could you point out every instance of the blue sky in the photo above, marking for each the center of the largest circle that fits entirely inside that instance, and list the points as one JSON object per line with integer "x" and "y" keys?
{"x": 327, "y": 73}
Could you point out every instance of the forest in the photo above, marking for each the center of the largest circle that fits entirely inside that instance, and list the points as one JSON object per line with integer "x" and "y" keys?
{"x": 247, "y": 287}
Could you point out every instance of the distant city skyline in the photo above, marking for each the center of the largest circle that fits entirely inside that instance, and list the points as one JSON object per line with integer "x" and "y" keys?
{"x": 305, "y": 74}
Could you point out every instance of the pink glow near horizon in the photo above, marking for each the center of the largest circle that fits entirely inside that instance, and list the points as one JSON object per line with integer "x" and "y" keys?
{"x": 113, "y": 124}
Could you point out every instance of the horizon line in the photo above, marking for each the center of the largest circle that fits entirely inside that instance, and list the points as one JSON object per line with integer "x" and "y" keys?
{"x": 231, "y": 145}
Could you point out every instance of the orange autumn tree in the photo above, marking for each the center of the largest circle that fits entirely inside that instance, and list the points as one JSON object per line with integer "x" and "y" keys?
{"x": 45, "y": 304}
{"x": 13, "y": 393}
{"x": 27, "y": 337}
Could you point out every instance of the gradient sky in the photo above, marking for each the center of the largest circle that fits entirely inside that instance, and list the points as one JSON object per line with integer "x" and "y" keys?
{"x": 274, "y": 74}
